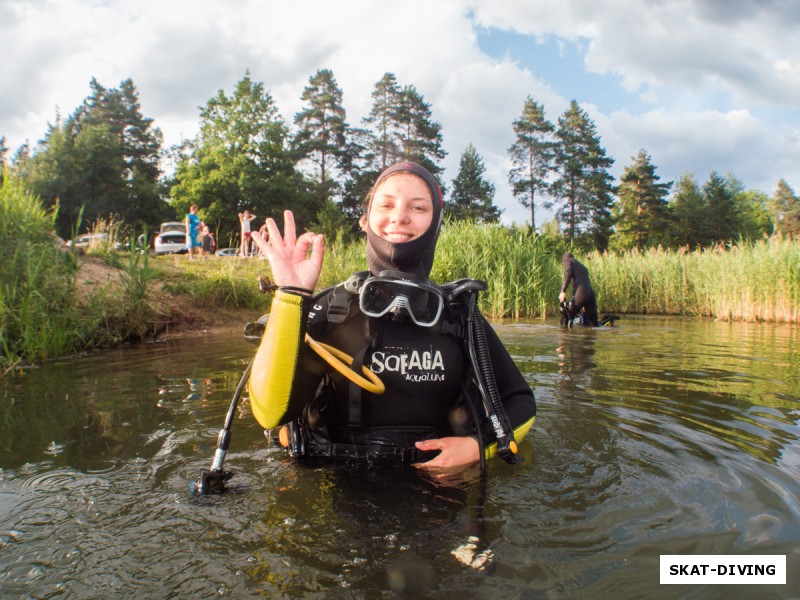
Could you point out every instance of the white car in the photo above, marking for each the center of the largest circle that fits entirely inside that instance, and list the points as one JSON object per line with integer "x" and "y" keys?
{"x": 237, "y": 252}
{"x": 88, "y": 239}
{"x": 171, "y": 239}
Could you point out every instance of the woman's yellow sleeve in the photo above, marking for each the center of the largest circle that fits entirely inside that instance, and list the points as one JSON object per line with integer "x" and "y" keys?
{"x": 275, "y": 365}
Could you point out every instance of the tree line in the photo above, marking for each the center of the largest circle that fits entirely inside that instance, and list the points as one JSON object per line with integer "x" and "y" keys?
{"x": 107, "y": 159}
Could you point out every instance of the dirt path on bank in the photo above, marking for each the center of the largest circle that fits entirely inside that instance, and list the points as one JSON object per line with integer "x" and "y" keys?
{"x": 177, "y": 315}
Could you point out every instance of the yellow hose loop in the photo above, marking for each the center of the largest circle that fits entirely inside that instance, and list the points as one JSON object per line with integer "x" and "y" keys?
{"x": 334, "y": 357}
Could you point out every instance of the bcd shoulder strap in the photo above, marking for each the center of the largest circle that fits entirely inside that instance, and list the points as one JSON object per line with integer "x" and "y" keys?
{"x": 342, "y": 297}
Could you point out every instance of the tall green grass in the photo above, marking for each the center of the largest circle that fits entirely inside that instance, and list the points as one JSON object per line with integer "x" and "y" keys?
{"x": 752, "y": 281}
{"x": 37, "y": 316}
{"x": 757, "y": 281}
{"x": 342, "y": 259}
{"x": 226, "y": 282}
{"x": 42, "y": 312}
{"x": 521, "y": 271}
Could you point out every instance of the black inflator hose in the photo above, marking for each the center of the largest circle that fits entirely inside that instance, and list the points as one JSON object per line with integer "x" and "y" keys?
{"x": 212, "y": 481}
{"x": 487, "y": 384}
{"x": 485, "y": 370}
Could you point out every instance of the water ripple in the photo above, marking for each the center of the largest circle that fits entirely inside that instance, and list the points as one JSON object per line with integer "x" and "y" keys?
{"x": 657, "y": 436}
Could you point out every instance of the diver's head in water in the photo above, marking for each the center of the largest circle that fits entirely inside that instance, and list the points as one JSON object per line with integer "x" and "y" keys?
{"x": 403, "y": 219}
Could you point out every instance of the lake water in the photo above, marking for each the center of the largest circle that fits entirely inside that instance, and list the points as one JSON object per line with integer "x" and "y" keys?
{"x": 653, "y": 437}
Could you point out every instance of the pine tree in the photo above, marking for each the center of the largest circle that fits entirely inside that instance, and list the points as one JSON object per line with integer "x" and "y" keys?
{"x": 361, "y": 172}
{"x": 421, "y": 136}
{"x": 400, "y": 126}
{"x": 102, "y": 160}
{"x": 532, "y": 156}
{"x": 689, "y": 213}
{"x": 120, "y": 110}
{"x": 723, "y": 211}
{"x": 643, "y": 213}
{"x": 322, "y": 135}
{"x": 382, "y": 145}
{"x": 583, "y": 185}
{"x": 787, "y": 209}
{"x": 472, "y": 197}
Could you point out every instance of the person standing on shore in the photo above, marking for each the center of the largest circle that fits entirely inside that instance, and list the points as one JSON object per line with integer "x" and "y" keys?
{"x": 245, "y": 218}
{"x": 193, "y": 232}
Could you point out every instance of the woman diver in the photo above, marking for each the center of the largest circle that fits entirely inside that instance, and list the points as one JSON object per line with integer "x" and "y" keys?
{"x": 408, "y": 392}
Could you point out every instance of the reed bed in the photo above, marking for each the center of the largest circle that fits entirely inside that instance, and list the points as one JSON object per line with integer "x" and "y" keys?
{"x": 750, "y": 281}
{"x": 756, "y": 281}
{"x": 342, "y": 259}
{"x": 523, "y": 274}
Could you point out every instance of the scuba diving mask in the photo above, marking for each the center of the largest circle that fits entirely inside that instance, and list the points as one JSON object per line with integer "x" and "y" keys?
{"x": 421, "y": 301}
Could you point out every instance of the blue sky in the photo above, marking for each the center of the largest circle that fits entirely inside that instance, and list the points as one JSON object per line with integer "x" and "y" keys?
{"x": 701, "y": 85}
{"x": 561, "y": 64}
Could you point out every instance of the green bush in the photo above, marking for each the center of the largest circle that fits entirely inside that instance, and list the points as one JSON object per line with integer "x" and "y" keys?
{"x": 38, "y": 316}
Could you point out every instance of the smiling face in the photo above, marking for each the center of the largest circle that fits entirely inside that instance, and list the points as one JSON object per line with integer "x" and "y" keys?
{"x": 401, "y": 209}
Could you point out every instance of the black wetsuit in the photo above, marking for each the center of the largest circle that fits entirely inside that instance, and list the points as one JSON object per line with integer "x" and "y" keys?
{"x": 423, "y": 369}
{"x": 584, "y": 298}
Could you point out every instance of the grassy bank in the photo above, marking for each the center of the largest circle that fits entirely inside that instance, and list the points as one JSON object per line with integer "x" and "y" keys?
{"x": 48, "y": 309}
{"x": 758, "y": 281}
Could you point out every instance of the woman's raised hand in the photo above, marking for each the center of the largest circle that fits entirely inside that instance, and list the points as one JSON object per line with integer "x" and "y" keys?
{"x": 288, "y": 255}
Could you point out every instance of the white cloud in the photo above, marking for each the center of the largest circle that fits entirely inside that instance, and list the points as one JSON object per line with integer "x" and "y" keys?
{"x": 748, "y": 49}
{"x": 477, "y": 106}
{"x": 705, "y": 72}
{"x": 701, "y": 142}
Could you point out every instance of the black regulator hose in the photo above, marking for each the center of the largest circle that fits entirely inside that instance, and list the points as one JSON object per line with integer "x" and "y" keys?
{"x": 212, "y": 481}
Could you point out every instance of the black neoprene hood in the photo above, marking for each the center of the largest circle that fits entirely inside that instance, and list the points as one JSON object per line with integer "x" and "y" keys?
{"x": 417, "y": 255}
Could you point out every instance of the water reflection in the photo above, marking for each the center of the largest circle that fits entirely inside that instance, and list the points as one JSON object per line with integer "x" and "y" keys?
{"x": 576, "y": 364}
{"x": 656, "y": 436}
{"x": 365, "y": 526}
{"x": 575, "y": 351}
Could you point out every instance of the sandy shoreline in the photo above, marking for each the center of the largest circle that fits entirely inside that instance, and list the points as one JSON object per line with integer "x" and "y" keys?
{"x": 218, "y": 322}
{"x": 176, "y": 315}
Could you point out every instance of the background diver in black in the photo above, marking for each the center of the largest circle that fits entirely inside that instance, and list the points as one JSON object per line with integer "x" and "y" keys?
{"x": 423, "y": 368}
{"x": 583, "y": 294}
